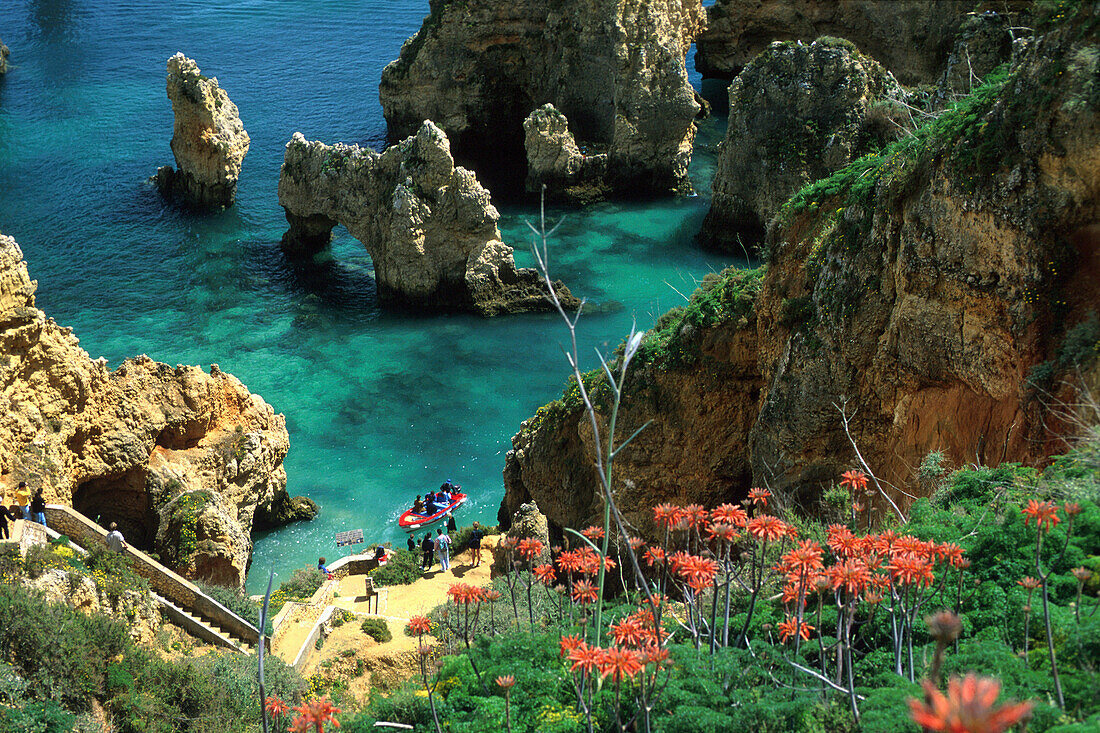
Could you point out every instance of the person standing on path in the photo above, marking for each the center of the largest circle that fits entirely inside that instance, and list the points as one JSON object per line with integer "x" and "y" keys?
{"x": 411, "y": 544}
{"x": 443, "y": 549}
{"x": 23, "y": 499}
{"x": 116, "y": 543}
{"x": 476, "y": 536}
{"x": 429, "y": 549}
{"x": 38, "y": 508}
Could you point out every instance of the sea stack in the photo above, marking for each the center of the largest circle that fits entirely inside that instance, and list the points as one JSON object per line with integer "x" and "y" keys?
{"x": 478, "y": 68}
{"x": 428, "y": 225}
{"x": 798, "y": 112}
{"x": 209, "y": 141}
{"x": 4, "y": 53}
{"x": 555, "y": 161}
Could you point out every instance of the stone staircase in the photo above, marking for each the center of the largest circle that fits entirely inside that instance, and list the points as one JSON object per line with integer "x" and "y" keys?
{"x": 180, "y": 600}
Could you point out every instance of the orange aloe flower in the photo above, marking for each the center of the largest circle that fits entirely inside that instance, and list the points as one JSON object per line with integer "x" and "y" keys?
{"x": 585, "y": 659}
{"x": 620, "y": 664}
{"x": 697, "y": 572}
{"x": 420, "y": 624}
{"x": 275, "y": 706}
{"x": 568, "y": 561}
{"x": 787, "y": 629}
{"x": 628, "y": 632}
{"x": 730, "y": 514}
{"x": 967, "y": 707}
{"x": 585, "y": 592}
{"x": 768, "y": 528}
{"x": 911, "y": 570}
{"x": 854, "y": 480}
{"x": 568, "y": 644}
{"x": 465, "y": 594}
{"x": 695, "y": 515}
{"x": 950, "y": 553}
{"x": 545, "y": 574}
{"x": 653, "y": 555}
{"x": 314, "y": 715}
{"x": 529, "y": 549}
{"x": 723, "y": 532}
{"x": 506, "y": 681}
{"x": 588, "y": 561}
{"x": 593, "y": 533}
{"x": 1029, "y": 583}
{"x": 759, "y": 496}
{"x": 666, "y": 515}
{"x": 852, "y": 575}
{"x": 1043, "y": 512}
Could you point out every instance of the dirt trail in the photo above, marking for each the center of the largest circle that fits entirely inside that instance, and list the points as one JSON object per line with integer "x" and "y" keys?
{"x": 350, "y": 654}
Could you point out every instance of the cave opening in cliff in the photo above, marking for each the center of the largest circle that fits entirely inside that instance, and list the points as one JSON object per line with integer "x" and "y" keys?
{"x": 123, "y": 499}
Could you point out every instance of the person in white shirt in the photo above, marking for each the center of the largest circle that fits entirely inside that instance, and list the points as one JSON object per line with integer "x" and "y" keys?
{"x": 115, "y": 541}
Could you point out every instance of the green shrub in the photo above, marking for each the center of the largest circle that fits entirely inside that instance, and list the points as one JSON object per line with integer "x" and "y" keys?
{"x": 402, "y": 568}
{"x": 377, "y": 629}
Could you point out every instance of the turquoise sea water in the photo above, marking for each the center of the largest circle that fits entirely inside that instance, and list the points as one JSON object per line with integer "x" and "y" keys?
{"x": 380, "y": 405}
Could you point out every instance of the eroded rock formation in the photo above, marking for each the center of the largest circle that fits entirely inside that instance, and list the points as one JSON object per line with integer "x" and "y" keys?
{"x": 615, "y": 69}
{"x": 928, "y": 302}
{"x": 133, "y": 608}
{"x": 555, "y": 161}
{"x": 123, "y": 445}
{"x": 209, "y": 141}
{"x": 911, "y": 38}
{"x": 429, "y": 226}
{"x": 798, "y": 112}
{"x": 4, "y": 53}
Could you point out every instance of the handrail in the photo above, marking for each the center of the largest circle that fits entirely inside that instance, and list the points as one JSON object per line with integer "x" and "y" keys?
{"x": 176, "y": 588}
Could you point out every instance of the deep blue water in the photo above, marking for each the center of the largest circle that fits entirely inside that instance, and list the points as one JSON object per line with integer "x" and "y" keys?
{"x": 380, "y": 405}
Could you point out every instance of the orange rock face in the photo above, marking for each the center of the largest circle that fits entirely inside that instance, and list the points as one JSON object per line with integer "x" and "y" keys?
{"x": 131, "y": 445}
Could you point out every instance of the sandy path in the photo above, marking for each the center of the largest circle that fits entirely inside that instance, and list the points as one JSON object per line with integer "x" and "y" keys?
{"x": 394, "y": 660}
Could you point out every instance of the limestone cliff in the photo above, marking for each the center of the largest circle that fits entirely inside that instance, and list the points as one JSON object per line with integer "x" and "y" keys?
{"x": 911, "y": 38}
{"x": 797, "y": 113}
{"x": 429, "y": 226}
{"x": 209, "y": 141}
{"x": 123, "y": 445}
{"x": 614, "y": 69}
{"x": 941, "y": 292}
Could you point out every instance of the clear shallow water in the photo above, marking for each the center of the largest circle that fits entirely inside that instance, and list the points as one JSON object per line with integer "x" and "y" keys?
{"x": 380, "y": 405}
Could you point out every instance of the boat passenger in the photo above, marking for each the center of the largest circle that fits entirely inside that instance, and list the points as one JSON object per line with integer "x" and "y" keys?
{"x": 418, "y": 505}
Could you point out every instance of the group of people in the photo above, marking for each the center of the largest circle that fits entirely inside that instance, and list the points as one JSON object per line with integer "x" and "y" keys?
{"x": 435, "y": 501}
{"x": 25, "y": 507}
{"x": 439, "y": 547}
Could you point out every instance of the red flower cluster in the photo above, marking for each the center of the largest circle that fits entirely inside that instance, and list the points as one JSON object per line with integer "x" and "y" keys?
{"x": 545, "y": 574}
{"x": 793, "y": 627}
{"x": 529, "y": 549}
{"x": 465, "y": 594}
{"x": 854, "y": 480}
{"x": 420, "y": 625}
{"x": 583, "y": 560}
{"x": 1043, "y": 512}
{"x": 967, "y": 707}
{"x": 313, "y": 715}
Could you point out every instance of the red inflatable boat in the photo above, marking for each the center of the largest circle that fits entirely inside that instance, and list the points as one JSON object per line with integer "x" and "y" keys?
{"x": 411, "y": 522}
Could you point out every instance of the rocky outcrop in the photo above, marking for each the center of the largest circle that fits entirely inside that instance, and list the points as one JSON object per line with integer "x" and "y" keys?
{"x": 928, "y": 295}
{"x": 429, "y": 227}
{"x": 797, "y": 113}
{"x": 133, "y": 608}
{"x": 209, "y": 141}
{"x": 983, "y": 43}
{"x": 526, "y": 523}
{"x": 912, "y": 38}
{"x": 614, "y": 69}
{"x": 122, "y": 445}
{"x": 555, "y": 161}
{"x": 4, "y": 53}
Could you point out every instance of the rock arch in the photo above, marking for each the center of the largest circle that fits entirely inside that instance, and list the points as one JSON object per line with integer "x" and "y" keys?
{"x": 429, "y": 226}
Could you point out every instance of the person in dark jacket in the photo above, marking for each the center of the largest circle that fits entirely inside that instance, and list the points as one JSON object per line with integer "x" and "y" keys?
{"x": 5, "y": 514}
{"x": 451, "y": 524}
{"x": 38, "y": 508}
{"x": 428, "y": 546}
{"x": 411, "y": 544}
